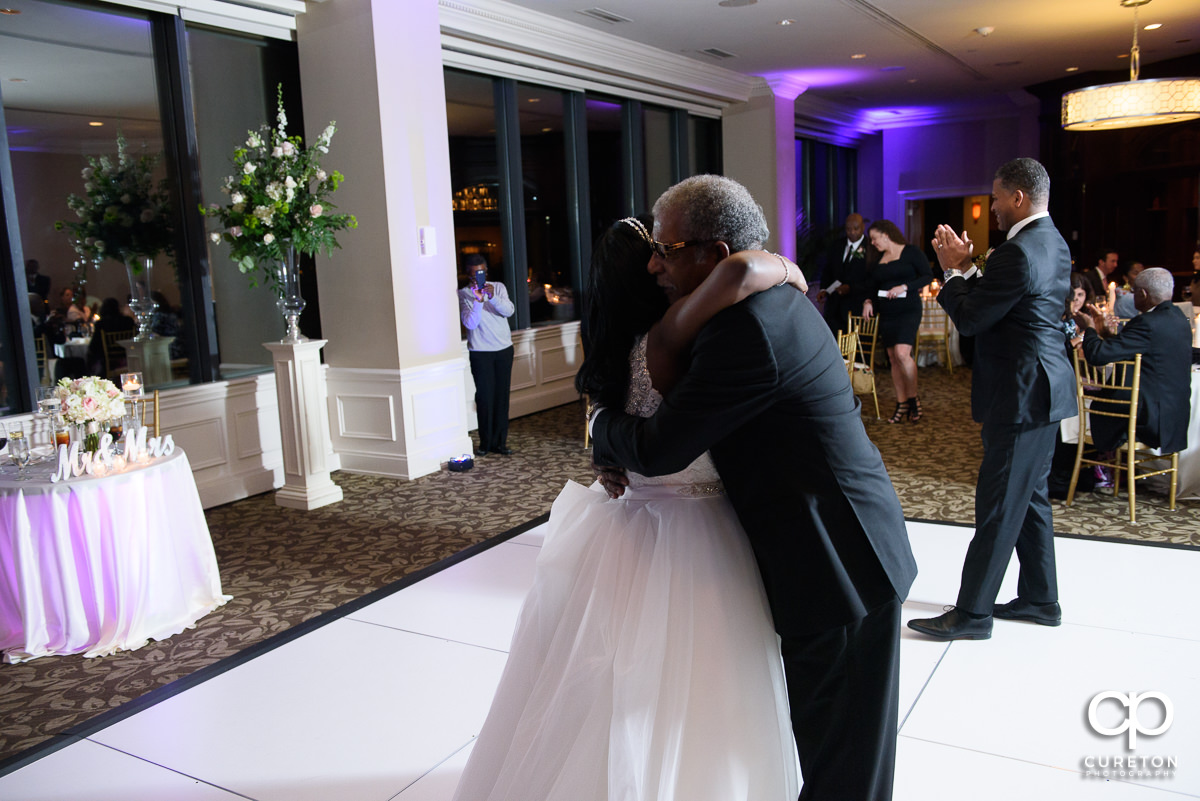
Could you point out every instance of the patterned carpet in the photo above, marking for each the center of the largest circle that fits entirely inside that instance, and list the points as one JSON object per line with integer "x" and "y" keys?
{"x": 283, "y": 566}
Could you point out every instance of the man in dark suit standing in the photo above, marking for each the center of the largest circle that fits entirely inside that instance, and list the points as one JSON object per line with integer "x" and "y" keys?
{"x": 1162, "y": 335}
{"x": 1021, "y": 387}
{"x": 843, "y": 279}
{"x": 767, "y": 394}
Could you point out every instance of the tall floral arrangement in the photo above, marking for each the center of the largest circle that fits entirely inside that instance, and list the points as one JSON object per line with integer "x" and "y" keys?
{"x": 279, "y": 198}
{"x": 123, "y": 213}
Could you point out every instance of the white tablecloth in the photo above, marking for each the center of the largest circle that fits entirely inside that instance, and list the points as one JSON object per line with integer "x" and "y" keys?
{"x": 97, "y": 565}
{"x": 1189, "y": 459}
{"x": 72, "y": 348}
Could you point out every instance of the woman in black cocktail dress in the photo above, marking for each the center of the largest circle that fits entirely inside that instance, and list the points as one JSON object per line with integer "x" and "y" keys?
{"x": 895, "y": 281}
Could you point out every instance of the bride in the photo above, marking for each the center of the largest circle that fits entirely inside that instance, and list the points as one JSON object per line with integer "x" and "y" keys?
{"x": 644, "y": 666}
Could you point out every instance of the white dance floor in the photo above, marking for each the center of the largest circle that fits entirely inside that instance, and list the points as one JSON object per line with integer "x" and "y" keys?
{"x": 384, "y": 703}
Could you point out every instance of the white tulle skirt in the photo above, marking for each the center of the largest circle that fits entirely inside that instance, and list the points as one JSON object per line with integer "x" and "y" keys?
{"x": 644, "y": 666}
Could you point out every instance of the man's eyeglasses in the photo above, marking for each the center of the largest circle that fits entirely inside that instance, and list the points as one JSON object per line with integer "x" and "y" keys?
{"x": 664, "y": 250}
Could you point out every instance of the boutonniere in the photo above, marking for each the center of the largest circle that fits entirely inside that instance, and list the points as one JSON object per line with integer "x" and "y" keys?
{"x": 981, "y": 261}
{"x": 859, "y": 252}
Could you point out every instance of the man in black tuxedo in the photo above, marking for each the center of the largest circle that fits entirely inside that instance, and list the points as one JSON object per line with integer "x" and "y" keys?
{"x": 1161, "y": 333}
{"x": 1021, "y": 387}
{"x": 767, "y": 394}
{"x": 1097, "y": 277}
{"x": 844, "y": 277}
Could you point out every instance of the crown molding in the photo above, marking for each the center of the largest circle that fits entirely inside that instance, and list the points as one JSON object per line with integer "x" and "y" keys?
{"x": 529, "y": 37}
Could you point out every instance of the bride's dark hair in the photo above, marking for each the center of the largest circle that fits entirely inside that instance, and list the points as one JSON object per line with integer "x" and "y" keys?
{"x": 623, "y": 301}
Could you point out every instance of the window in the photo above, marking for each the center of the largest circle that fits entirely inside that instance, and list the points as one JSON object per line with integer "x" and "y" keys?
{"x": 129, "y": 73}
{"x": 234, "y": 80}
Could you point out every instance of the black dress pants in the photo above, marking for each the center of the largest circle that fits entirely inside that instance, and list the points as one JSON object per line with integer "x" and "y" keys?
{"x": 843, "y": 687}
{"x": 1012, "y": 510}
{"x": 492, "y": 371}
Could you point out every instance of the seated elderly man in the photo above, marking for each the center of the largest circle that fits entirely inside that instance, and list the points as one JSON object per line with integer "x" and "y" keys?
{"x": 1162, "y": 335}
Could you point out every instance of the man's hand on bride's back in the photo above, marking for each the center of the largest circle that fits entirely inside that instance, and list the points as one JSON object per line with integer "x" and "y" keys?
{"x": 612, "y": 478}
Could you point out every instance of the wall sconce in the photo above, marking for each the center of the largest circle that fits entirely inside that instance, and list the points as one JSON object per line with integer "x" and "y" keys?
{"x": 976, "y": 211}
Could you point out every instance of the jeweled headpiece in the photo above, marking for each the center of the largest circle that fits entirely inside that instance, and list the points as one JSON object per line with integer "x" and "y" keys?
{"x": 636, "y": 224}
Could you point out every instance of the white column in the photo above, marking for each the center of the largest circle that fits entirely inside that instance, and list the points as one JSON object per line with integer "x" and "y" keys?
{"x": 303, "y": 425}
{"x": 388, "y": 302}
{"x": 759, "y": 151}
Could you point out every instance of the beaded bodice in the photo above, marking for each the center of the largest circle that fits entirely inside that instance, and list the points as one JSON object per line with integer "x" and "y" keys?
{"x": 643, "y": 400}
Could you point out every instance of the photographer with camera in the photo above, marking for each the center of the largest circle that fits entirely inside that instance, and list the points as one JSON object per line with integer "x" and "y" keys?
{"x": 484, "y": 308}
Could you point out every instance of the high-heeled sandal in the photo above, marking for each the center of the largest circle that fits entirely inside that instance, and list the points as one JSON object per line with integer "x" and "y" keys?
{"x": 901, "y": 410}
{"x": 914, "y": 409}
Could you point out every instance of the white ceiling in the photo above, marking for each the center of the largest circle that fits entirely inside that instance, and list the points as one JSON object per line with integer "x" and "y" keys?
{"x": 920, "y": 54}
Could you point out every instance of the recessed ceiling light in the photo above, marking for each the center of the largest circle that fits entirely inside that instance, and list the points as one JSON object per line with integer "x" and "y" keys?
{"x": 1153, "y": 26}
{"x": 1122, "y": 55}
{"x": 736, "y": 3}
{"x": 95, "y": 123}
{"x": 535, "y": 100}
{"x": 12, "y": 12}
{"x": 912, "y": 80}
{"x": 859, "y": 55}
{"x": 891, "y": 69}
{"x": 547, "y": 130}
{"x": 1072, "y": 69}
{"x": 786, "y": 22}
{"x": 18, "y": 80}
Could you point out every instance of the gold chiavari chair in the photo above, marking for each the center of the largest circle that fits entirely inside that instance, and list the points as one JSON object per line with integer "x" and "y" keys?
{"x": 1113, "y": 393}
{"x": 862, "y": 377}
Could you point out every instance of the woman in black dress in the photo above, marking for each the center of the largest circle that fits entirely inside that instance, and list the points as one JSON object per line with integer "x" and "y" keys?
{"x": 895, "y": 295}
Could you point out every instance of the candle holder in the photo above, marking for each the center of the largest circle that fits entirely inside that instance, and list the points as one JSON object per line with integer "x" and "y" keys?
{"x": 133, "y": 386}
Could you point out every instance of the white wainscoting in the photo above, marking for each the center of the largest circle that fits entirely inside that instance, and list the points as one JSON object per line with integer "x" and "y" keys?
{"x": 230, "y": 432}
{"x": 402, "y": 423}
{"x": 545, "y": 361}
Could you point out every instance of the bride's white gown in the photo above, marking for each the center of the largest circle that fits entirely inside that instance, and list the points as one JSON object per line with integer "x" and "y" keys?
{"x": 644, "y": 666}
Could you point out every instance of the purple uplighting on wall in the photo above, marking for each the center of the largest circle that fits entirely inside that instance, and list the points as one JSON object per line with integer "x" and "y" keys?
{"x": 818, "y": 77}
{"x": 875, "y": 118}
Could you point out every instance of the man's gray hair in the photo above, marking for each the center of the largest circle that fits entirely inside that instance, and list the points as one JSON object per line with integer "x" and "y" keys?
{"x": 1029, "y": 176}
{"x": 1158, "y": 284}
{"x": 716, "y": 207}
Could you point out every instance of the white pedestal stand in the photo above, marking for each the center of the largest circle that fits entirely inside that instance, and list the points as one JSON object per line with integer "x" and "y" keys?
{"x": 303, "y": 422}
{"x": 150, "y": 357}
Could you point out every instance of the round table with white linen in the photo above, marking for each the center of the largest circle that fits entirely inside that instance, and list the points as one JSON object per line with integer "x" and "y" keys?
{"x": 95, "y": 565}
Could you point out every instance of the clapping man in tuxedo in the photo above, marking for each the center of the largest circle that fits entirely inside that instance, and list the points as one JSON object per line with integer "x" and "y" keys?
{"x": 1021, "y": 386}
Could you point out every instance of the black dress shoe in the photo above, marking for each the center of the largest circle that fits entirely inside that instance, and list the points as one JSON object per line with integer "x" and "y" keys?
{"x": 480, "y": 452}
{"x": 503, "y": 451}
{"x": 1018, "y": 609}
{"x": 954, "y": 625}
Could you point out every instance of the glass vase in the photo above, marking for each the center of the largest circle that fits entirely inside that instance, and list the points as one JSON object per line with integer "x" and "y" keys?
{"x": 139, "y": 270}
{"x": 290, "y": 303}
{"x": 87, "y": 435}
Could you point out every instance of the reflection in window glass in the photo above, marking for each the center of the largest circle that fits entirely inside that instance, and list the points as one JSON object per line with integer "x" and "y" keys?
{"x": 234, "y": 80}
{"x": 657, "y": 127}
{"x": 704, "y": 146}
{"x": 543, "y": 166}
{"x": 604, "y": 163}
{"x": 56, "y": 117}
{"x": 474, "y": 175}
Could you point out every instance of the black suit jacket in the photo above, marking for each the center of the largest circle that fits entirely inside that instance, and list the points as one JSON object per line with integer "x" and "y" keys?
{"x": 852, "y": 273}
{"x": 1014, "y": 311}
{"x": 767, "y": 393}
{"x": 1164, "y": 338}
